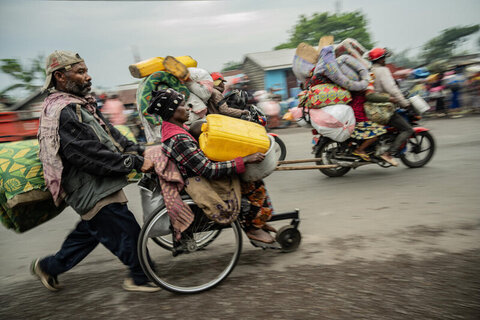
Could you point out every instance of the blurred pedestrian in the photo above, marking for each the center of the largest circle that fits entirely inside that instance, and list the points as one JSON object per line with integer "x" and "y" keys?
{"x": 85, "y": 162}
{"x": 114, "y": 110}
{"x": 454, "y": 81}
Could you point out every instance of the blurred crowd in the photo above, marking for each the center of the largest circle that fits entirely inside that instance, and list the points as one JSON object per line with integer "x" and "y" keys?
{"x": 452, "y": 93}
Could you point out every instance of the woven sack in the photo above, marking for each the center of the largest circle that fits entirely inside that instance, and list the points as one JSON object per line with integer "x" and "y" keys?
{"x": 307, "y": 52}
{"x": 377, "y": 97}
{"x": 379, "y": 112}
{"x": 301, "y": 68}
{"x": 354, "y": 48}
{"x": 323, "y": 95}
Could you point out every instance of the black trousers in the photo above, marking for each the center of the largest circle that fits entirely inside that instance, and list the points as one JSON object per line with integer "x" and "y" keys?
{"x": 405, "y": 129}
{"x": 115, "y": 227}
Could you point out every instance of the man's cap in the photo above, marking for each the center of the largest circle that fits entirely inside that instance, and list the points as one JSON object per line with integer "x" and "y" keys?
{"x": 57, "y": 60}
{"x": 217, "y": 76}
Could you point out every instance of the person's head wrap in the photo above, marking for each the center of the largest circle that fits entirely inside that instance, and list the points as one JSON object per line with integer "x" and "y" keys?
{"x": 165, "y": 102}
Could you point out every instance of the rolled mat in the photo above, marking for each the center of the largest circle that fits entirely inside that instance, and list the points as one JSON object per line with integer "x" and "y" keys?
{"x": 25, "y": 201}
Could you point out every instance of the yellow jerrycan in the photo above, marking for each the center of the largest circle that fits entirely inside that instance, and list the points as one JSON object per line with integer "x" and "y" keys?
{"x": 224, "y": 138}
{"x": 147, "y": 67}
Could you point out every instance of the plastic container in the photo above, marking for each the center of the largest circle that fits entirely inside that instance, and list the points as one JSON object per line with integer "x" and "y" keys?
{"x": 224, "y": 138}
{"x": 419, "y": 104}
{"x": 258, "y": 171}
{"x": 147, "y": 67}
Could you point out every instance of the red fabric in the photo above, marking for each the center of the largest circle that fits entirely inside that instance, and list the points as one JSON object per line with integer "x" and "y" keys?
{"x": 169, "y": 130}
{"x": 358, "y": 100}
{"x": 240, "y": 165}
{"x": 171, "y": 183}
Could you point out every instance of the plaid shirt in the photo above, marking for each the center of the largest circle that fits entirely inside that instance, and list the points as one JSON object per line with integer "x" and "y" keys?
{"x": 191, "y": 161}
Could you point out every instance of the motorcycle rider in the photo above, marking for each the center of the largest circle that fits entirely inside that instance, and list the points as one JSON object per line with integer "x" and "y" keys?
{"x": 214, "y": 105}
{"x": 384, "y": 83}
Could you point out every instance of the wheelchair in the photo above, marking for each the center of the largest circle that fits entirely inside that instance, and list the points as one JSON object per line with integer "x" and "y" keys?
{"x": 207, "y": 252}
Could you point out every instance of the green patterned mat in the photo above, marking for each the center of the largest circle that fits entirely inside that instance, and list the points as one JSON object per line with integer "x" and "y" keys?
{"x": 156, "y": 81}
{"x": 21, "y": 180}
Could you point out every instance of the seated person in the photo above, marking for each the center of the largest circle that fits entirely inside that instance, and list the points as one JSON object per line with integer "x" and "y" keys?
{"x": 366, "y": 130}
{"x": 183, "y": 150}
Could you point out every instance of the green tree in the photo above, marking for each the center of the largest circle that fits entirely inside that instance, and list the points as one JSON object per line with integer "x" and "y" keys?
{"x": 402, "y": 59}
{"x": 341, "y": 26}
{"x": 443, "y": 46}
{"x": 231, "y": 65}
{"x": 25, "y": 77}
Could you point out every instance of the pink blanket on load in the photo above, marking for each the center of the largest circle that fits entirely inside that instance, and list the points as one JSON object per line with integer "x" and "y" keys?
{"x": 171, "y": 183}
{"x": 322, "y": 118}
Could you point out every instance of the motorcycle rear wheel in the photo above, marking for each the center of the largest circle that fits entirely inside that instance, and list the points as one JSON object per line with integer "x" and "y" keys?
{"x": 326, "y": 152}
{"x": 420, "y": 150}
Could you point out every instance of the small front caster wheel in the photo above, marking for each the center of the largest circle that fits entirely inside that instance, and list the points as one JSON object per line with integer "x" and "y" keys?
{"x": 289, "y": 238}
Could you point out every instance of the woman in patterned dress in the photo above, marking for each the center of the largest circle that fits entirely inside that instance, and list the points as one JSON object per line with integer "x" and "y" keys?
{"x": 366, "y": 130}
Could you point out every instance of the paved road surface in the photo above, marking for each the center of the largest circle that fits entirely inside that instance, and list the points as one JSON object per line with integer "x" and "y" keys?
{"x": 377, "y": 243}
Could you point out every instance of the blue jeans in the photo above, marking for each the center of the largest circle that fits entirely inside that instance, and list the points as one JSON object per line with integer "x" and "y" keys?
{"x": 115, "y": 227}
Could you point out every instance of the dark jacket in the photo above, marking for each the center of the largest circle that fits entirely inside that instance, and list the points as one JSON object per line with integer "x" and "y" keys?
{"x": 95, "y": 160}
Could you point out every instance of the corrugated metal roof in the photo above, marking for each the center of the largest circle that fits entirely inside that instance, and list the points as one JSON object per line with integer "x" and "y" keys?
{"x": 272, "y": 60}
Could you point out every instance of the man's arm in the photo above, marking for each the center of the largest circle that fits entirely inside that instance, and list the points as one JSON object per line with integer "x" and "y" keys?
{"x": 384, "y": 76}
{"x": 224, "y": 108}
{"x": 81, "y": 148}
{"x": 129, "y": 146}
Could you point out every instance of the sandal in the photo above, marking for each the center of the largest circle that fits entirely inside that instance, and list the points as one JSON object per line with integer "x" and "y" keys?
{"x": 362, "y": 155}
{"x": 269, "y": 228}
{"x": 260, "y": 235}
{"x": 389, "y": 159}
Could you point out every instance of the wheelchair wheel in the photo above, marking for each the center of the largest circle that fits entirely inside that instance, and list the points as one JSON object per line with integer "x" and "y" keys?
{"x": 202, "y": 241}
{"x": 205, "y": 256}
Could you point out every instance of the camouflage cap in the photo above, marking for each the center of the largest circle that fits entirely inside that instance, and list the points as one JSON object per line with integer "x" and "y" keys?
{"x": 57, "y": 60}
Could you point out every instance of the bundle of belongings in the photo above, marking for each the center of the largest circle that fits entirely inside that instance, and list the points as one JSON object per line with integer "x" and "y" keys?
{"x": 25, "y": 201}
{"x": 172, "y": 74}
{"x": 328, "y": 76}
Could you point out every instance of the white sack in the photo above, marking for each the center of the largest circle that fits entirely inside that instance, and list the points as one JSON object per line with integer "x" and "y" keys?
{"x": 201, "y": 83}
{"x": 336, "y": 122}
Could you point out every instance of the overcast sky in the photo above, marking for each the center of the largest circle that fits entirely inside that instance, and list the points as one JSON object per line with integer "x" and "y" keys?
{"x": 107, "y": 33}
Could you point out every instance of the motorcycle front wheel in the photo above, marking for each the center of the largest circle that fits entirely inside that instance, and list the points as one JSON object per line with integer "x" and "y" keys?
{"x": 280, "y": 148}
{"x": 420, "y": 150}
{"x": 326, "y": 152}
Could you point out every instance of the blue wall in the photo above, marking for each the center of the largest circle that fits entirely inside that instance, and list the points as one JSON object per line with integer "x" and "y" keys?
{"x": 277, "y": 79}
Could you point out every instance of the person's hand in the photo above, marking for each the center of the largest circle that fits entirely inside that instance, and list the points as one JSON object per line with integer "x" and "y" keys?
{"x": 245, "y": 112}
{"x": 147, "y": 166}
{"x": 254, "y": 158}
{"x": 393, "y": 100}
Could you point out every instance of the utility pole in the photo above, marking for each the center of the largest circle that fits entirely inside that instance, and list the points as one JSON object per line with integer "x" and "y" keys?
{"x": 338, "y": 6}
{"x": 136, "y": 54}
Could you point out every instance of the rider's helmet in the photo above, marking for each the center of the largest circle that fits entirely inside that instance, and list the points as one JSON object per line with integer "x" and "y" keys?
{"x": 378, "y": 53}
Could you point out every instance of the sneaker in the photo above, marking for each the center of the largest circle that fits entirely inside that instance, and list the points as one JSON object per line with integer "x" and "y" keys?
{"x": 50, "y": 282}
{"x": 129, "y": 285}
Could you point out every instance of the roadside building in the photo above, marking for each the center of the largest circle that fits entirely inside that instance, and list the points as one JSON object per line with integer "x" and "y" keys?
{"x": 271, "y": 71}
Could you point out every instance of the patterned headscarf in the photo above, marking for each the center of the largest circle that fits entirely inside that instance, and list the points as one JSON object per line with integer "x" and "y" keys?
{"x": 165, "y": 102}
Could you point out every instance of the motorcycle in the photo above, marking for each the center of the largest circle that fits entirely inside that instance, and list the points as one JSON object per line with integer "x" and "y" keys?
{"x": 416, "y": 152}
